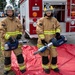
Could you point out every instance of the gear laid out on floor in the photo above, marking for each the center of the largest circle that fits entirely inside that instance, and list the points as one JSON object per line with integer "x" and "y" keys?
{"x": 66, "y": 61}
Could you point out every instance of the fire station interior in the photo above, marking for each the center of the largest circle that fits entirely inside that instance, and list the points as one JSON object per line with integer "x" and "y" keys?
{"x": 73, "y": 11}
{"x": 59, "y": 12}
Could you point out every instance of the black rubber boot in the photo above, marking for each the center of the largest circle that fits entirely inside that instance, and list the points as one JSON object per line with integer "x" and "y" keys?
{"x": 56, "y": 70}
{"x": 9, "y": 72}
{"x": 6, "y": 72}
{"x": 47, "y": 71}
{"x": 22, "y": 71}
{"x": 45, "y": 61}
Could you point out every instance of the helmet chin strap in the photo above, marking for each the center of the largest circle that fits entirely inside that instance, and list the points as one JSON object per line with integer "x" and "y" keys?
{"x": 10, "y": 16}
{"x": 49, "y": 16}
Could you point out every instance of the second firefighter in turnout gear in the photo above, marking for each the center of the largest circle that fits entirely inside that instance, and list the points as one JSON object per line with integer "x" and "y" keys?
{"x": 11, "y": 28}
{"x": 47, "y": 28}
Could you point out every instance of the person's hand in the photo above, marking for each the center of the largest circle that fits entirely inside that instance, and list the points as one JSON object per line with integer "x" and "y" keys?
{"x": 18, "y": 36}
{"x": 44, "y": 42}
{"x": 57, "y": 36}
{"x": 10, "y": 40}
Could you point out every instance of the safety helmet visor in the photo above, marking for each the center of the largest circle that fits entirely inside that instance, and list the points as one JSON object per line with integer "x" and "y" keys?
{"x": 9, "y": 8}
{"x": 48, "y": 10}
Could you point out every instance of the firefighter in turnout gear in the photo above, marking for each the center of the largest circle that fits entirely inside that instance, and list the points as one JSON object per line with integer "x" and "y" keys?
{"x": 47, "y": 28}
{"x": 10, "y": 29}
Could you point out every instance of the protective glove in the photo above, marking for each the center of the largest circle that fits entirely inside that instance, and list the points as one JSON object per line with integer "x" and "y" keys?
{"x": 57, "y": 36}
{"x": 18, "y": 36}
{"x": 44, "y": 42}
{"x": 10, "y": 40}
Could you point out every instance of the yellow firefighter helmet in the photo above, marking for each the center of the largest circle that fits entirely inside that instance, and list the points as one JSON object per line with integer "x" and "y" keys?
{"x": 49, "y": 9}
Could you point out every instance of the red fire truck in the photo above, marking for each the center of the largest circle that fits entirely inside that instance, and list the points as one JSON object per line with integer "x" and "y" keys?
{"x": 32, "y": 10}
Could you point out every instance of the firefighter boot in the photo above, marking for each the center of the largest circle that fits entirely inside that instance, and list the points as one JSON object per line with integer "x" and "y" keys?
{"x": 22, "y": 71}
{"x": 53, "y": 64}
{"x": 7, "y": 63}
{"x": 46, "y": 68}
{"x": 9, "y": 72}
{"x": 6, "y": 72}
{"x": 20, "y": 60}
{"x": 45, "y": 64}
{"x": 54, "y": 68}
{"x": 47, "y": 71}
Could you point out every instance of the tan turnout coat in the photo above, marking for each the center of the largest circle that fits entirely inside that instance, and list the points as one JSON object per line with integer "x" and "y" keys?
{"x": 46, "y": 29}
{"x": 10, "y": 25}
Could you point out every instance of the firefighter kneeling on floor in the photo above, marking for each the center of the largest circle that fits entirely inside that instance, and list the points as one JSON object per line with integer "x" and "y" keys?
{"x": 11, "y": 28}
{"x": 47, "y": 28}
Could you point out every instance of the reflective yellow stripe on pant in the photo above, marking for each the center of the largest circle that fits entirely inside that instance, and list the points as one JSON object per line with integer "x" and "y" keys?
{"x": 22, "y": 66}
{"x": 46, "y": 66}
{"x": 7, "y": 68}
